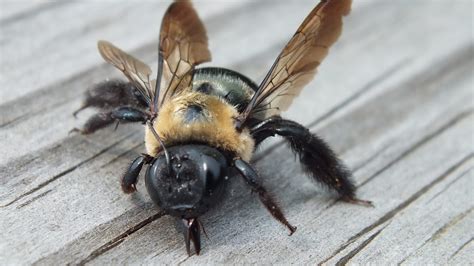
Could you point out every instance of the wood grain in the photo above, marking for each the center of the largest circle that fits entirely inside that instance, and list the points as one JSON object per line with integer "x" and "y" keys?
{"x": 394, "y": 98}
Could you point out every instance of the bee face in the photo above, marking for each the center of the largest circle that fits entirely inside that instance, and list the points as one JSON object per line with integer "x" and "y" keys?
{"x": 187, "y": 187}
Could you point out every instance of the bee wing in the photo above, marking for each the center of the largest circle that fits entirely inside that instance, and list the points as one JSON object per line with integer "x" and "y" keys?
{"x": 296, "y": 65}
{"x": 183, "y": 44}
{"x": 135, "y": 70}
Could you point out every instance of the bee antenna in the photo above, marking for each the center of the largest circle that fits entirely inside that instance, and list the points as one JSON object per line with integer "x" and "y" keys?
{"x": 162, "y": 144}
{"x": 159, "y": 75}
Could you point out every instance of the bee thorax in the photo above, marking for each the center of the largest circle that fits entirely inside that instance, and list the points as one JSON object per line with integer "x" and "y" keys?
{"x": 198, "y": 118}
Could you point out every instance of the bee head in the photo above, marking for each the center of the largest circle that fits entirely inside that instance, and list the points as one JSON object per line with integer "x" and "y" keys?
{"x": 191, "y": 184}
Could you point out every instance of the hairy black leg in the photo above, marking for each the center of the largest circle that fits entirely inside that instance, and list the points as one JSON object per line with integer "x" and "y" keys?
{"x": 95, "y": 123}
{"x": 315, "y": 155}
{"x": 251, "y": 177}
{"x": 265, "y": 129}
{"x": 110, "y": 94}
{"x": 130, "y": 178}
{"x": 119, "y": 114}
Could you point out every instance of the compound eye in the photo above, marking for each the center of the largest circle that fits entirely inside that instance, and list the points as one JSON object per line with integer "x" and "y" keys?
{"x": 212, "y": 169}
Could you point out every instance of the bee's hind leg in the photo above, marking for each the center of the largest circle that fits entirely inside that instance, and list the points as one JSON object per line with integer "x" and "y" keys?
{"x": 94, "y": 123}
{"x": 111, "y": 94}
{"x": 119, "y": 114}
{"x": 317, "y": 158}
{"x": 251, "y": 178}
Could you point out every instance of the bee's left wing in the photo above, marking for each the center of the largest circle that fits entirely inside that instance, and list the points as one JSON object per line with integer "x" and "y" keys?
{"x": 183, "y": 44}
{"x": 136, "y": 71}
{"x": 296, "y": 65}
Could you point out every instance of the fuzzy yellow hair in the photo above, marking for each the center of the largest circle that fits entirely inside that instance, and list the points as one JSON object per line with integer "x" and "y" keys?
{"x": 216, "y": 129}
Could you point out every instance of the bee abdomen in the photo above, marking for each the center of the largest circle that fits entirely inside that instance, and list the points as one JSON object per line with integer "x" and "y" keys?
{"x": 233, "y": 87}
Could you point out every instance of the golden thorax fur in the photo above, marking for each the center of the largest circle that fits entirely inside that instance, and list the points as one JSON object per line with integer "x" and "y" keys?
{"x": 216, "y": 129}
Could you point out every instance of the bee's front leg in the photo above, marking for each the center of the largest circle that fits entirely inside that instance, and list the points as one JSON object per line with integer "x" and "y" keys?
{"x": 130, "y": 178}
{"x": 251, "y": 178}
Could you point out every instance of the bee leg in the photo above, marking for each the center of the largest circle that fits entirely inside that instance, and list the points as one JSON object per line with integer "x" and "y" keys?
{"x": 111, "y": 94}
{"x": 129, "y": 114}
{"x": 251, "y": 178}
{"x": 264, "y": 129}
{"x": 317, "y": 158}
{"x": 130, "y": 178}
{"x": 95, "y": 123}
{"x": 121, "y": 114}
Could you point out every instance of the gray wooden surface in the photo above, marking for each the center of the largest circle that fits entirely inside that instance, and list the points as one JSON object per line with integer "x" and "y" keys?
{"x": 395, "y": 99}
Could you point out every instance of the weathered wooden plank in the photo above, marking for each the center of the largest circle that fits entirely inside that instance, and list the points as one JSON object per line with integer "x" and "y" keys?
{"x": 322, "y": 230}
{"x": 413, "y": 144}
{"x": 20, "y": 134}
{"x": 64, "y": 51}
{"x": 453, "y": 236}
{"x": 169, "y": 243}
{"x": 12, "y": 11}
{"x": 385, "y": 123}
{"x": 439, "y": 231}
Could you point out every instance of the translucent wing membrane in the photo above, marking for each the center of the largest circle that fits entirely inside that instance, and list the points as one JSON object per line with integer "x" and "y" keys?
{"x": 297, "y": 63}
{"x": 135, "y": 70}
{"x": 183, "y": 44}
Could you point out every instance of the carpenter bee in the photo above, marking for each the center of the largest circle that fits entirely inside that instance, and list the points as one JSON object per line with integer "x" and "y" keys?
{"x": 203, "y": 124}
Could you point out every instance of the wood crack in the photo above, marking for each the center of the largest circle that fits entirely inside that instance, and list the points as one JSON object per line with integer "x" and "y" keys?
{"x": 120, "y": 238}
{"x": 28, "y": 202}
{"x": 420, "y": 143}
{"x": 389, "y": 215}
{"x": 450, "y": 224}
{"x": 12, "y": 121}
{"x": 344, "y": 260}
{"x": 371, "y": 158}
{"x": 440, "y": 231}
{"x": 450, "y": 184}
{"x": 371, "y": 85}
{"x": 65, "y": 172}
{"x": 46, "y": 98}
{"x": 461, "y": 248}
{"x": 122, "y": 154}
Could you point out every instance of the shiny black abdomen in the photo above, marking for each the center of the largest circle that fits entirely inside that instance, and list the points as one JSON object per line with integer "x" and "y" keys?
{"x": 232, "y": 86}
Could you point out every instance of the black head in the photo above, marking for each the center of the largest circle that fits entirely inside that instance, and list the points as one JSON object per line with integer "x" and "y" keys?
{"x": 194, "y": 182}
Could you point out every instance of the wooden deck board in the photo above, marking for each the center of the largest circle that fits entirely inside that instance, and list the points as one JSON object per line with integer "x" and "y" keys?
{"x": 394, "y": 98}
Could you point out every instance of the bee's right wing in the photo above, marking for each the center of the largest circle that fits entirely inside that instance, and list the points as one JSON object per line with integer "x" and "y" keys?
{"x": 136, "y": 71}
{"x": 183, "y": 44}
{"x": 297, "y": 63}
